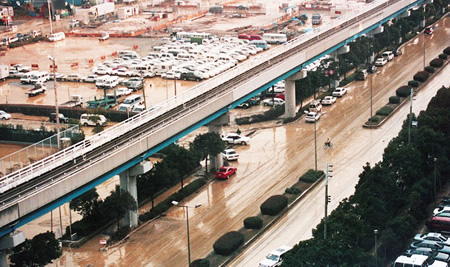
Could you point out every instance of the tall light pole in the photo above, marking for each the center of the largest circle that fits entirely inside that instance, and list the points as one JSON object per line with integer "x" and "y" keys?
{"x": 375, "y": 232}
{"x": 410, "y": 116}
{"x": 315, "y": 145}
{"x": 327, "y": 200}
{"x": 435, "y": 170}
{"x": 371, "y": 95}
{"x": 143, "y": 88}
{"x": 424, "y": 45}
{"x": 50, "y": 16}
{"x": 176, "y": 203}
{"x": 58, "y": 137}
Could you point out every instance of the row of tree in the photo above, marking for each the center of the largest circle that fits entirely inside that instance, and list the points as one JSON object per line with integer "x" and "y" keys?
{"x": 391, "y": 197}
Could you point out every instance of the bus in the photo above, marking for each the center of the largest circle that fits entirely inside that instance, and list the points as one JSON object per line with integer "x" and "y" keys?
{"x": 275, "y": 38}
{"x": 190, "y": 36}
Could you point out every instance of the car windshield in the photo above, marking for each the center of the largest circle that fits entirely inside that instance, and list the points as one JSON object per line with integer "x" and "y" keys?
{"x": 231, "y": 152}
{"x": 222, "y": 170}
{"x": 273, "y": 257}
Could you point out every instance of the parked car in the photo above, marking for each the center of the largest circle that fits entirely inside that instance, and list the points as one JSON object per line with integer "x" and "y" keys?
{"x": 138, "y": 108}
{"x": 92, "y": 120}
{"x": 273, "y": 102}
{"x": 434, "y": 245}
{"x": 275, "y": 258}
{"x": 4, "y": 115}
{"x": 329, "y": 100}
{"x": 123, "y": 91}
{"x": 433, "y": 237}
{"x": 244, "y": 105}
{"x": 102, "y": 70}
{"x": 431, "y": 253}
{"x": 438, "y": 210}
{"x": 389, "y": 55}
{"x": 281, "y": 96}
{"x": 171, "y": 75}
{"x": 73, "y": 78}
{"x": 15, "y": 74}
{"x": 90, "y": 78}
{"x": 312, "y": 116}
{"x": 123, "y": 72}
{"x": 59, "y": 76}
{"x": 372, "y": 69}
{"x": 230, "y": 154}
{"x": 234, "y": 138}
{"x": 190, "y": 76}
{"x": 339, "y": 91}
{"x": 397, "y": 52}
{"x": 225, "y": 172}
{"x": 429, "y": 30}
{"x": 62, "y": 118}
{"x": 380, "y": 62}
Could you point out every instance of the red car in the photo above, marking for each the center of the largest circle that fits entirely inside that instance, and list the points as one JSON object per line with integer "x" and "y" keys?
{"x": 281, "y": 95}
{"x": 225, "y": 172}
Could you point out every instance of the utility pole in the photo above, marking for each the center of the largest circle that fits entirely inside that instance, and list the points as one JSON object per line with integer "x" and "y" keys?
{"x": 410, "y": 116}
{"x": 58, "y": 137}
{"x": 327, "y": 199}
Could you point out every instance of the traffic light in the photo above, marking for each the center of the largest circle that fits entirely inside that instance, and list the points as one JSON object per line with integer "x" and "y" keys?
{"x": 328, "y": 199}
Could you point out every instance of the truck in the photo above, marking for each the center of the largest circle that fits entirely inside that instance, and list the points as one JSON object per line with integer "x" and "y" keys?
{"x": 107, "y": 102}
{"x": 101, "y": 10}
{"x": 75, "y": 101}
{"x": 4, "y": 72}
{"x": 316, "y": 19}
{"x": 38, "y": 89}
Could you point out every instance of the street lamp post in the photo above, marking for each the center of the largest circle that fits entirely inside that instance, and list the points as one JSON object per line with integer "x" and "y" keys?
{"x": 327, "y": 199}
{"x": 410, "y": 116}
{"x": 315, "y": 145}
{"x": 376, "y": 250}
{"x": 58, "y": 137}
{"x": 176, "y": 203}
{"x": 143, "y": 88}
{"x": 435, "y": 161}
{"x": 371, "y": 95}
{"x": 424, "y": 45}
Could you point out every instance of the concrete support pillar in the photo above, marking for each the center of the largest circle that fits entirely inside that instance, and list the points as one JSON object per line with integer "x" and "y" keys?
{"x": 128, "y": 183}
{"x": 290, "y": 93}
{"x": 216, "y": 127}
{"x": 3, "y": 257}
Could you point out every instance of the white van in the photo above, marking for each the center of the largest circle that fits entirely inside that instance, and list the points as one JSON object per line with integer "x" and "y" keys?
{"x": 130, "y": 102}
{"x": 100, "y": 82}
{"x": 40, "y": 77}
{"x": 26, "y": 78}
{"x": 162, "y": 67}
{"x": 92, "y": 120}
{"x": 275, "y": 258}
{"x": 275, "y": 38}
{"x": 57, "y": 36}
{"x": 228, "y": 59}
{"x": 111, "y": 82}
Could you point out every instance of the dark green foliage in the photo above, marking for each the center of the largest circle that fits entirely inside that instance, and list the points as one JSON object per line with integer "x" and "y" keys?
{"x": 311, "y": 176}
{"x": 39, "y": 251}
{"x": 253, "y": 222}
{"x": 86, "y": 203}
{"x": 421, "y": 76}
{"x": 200, "y": 263}
{"x": 437, "y": 63}
{"x": 118, "y": 203}
{"x": 403, "y": 91}
{"x": 384, "y": 111}
{"x": 447, "y": 51}
{"x": 374, "y": 119}
{"x": 413, "y": 83}
{"x": 394, "y": 99}
{"x": 268, "y": 115}
{"x": 228, "y": 243}
{"x": 429, "y": 69}
{"x": 274, "y": 205}
{"x": 443, "y": 56}
{"x": 98, "y": 129}
{"x": 293, "y": 190}
{"x": 207, "y": 144}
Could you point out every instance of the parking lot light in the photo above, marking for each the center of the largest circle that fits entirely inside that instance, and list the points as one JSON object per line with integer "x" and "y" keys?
{"x": 58, "y": 137}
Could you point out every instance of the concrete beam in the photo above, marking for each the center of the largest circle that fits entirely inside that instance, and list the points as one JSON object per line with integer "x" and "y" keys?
{"x": 12, "y": 240}
{"x": 220, "y": 121}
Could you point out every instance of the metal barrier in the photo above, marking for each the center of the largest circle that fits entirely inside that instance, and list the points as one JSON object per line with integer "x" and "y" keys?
{"x": 37, "y": 151}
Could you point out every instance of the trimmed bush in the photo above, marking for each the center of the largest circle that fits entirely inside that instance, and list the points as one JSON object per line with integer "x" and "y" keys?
{"x": 447, "y": 51}
{"x": 200, "y": 263}
{"x": 253, "y": 222}
{"x": 274, "y": 204}
{"x": 374, "y": 119}
{"x": 228, "y": 243}
{"x": 437, "y": 62}
{"x": 384, "y": 111}
{"x": 429, "y": 69}
{"x": 394, "y": 99}
{"x": 311, "y": 176}
{"x": 293, "y": 190}
{"x": 413, "y": 83}
{"x": 443, "y": 56}
{"x": 403, "y": 91}
{"x": 421, "y": 76}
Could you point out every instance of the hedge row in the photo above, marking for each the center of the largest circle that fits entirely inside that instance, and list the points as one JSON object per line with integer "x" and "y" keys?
{"x": 270, "y": 114}
{"x": 200, "y": 263}
{"x": 437, "y": 62}
{"x": 311, "y": 176}
{"x": 293, "y": 190}
{"x": 403, "y": 91}
{"x": 394, "y": 99}
{"x": 429, "y": 69}
{"x": 274, "y": 205}
{"x": 421, "y": 76}
{"x": 447, "y": 51}
{"x": 228, "y": 243}
{"x": 413, "y": 83}
{"x": 384, "y": 111}
{"x": 164, "y": 205}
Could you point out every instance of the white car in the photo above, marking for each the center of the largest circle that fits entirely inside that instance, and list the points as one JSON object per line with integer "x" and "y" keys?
{"x": 381, "y": 62}
{"x": 445, "y": 209}
{"x": 389, "y": 55}
{"x": 234, "y": 138}
{"x": 73, "y": 78}
{"x": 312, "y": 117}
{"x": 138, "y": 108}
{"x": 275, "y": 258}
{"x": 123, "y": 91}
{"x": 275, "y": 102}
{"x": 172, "y": 75}
{"x": 339, "y": 91}
{"x": 15, "y": 74}
{"x": 123, "y": 72}
{"x": 329, "y": 100}
{"x": 102, "y": 70}
{"x": 4, "y": 115}
{"x": 433, "y": 237}
{"x": 90, "y": 78}
{"x": 230, "y": 154}
{"x": 21, "y": 68}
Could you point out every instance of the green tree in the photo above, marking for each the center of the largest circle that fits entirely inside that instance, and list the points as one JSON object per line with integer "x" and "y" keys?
{"x": 39, "y": 251}
{"x": 119, "y": 203}
{"x": 86, "y": 203}
{"x": 206, "y": 145}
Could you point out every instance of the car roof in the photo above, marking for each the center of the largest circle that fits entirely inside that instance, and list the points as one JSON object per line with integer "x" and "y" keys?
{"x": 229, "y": 150}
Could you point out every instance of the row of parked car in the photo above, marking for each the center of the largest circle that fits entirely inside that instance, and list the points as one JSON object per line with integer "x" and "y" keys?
{"x": 432, "y": 248}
